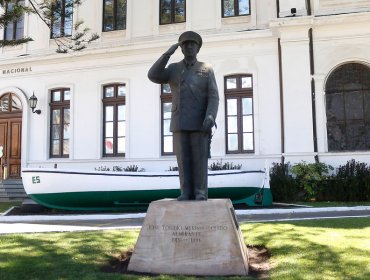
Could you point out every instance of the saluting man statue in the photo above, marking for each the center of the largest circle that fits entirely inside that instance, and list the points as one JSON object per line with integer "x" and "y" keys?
{"x": 194, "y": 109}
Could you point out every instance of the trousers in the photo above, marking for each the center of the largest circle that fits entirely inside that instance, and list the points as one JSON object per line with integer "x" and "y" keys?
{"x": 191, "y": 149}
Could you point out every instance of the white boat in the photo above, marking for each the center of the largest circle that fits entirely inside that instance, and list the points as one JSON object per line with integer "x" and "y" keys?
{"x": 100, "y": 190}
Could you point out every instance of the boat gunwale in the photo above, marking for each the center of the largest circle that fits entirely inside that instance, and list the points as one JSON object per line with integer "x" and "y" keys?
{"x": 113, "y": 173}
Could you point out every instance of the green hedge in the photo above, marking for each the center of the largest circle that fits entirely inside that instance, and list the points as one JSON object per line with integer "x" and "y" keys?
{"x": 284, "y": 187}
{"x": 320, "y": 182}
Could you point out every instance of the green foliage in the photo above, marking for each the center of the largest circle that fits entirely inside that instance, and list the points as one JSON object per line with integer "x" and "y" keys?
{"x": 13, "y": 43}
{"x": 133, "y": 168}
{"x": 218, "y": 165}
{"x": 6, "y": 205}
{"x": 330, "y": 249}
{"x": 314, "y": 181}
{"x": 334, "y": 203}
{"x": 283, "y": 186}
{"x": 79, "y": 40}
{"x": 48, "y": 11}
{"x": 350, "y": 183}
{"x": 13, "y": 11}
{"x": 77, "y": 255}
{"x": 310, "y": 176}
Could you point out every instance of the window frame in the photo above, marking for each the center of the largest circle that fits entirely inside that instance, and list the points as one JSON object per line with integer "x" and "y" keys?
{"x": 62, "y": 18}
{"x": 114, "y": 101}
{"x": 10, "y": 99}
{"x": 15, "y": 24}
{"x": 59, "y": 105}
{"x": 236, "y": 9}
{"x": 115, "y": 15}
{"x": 172, "y": 21}
{"x": 165, "y": 98}
{"x": 238, "y": 93}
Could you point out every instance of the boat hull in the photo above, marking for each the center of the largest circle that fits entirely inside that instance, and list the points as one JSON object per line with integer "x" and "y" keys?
{"x": 81, "y": 190}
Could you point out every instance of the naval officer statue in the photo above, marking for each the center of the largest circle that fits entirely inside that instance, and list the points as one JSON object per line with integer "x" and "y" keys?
{"x": 194, "y": 109}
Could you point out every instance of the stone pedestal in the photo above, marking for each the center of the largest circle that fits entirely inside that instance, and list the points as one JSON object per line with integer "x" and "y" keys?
{"x": 190, "y": 238}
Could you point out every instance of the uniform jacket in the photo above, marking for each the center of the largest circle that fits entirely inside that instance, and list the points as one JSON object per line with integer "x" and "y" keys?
{"x": 194, "y": 92}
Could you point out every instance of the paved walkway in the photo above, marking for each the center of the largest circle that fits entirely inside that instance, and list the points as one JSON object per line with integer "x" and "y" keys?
{"x": 67, "y": 223}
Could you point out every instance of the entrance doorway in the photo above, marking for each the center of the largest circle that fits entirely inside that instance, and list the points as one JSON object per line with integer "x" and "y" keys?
{"x": 10, "y": 136}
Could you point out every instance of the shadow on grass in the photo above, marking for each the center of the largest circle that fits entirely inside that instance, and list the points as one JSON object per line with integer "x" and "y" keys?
{"x": 325, "y": 249}
{"x": 60, "y": 255}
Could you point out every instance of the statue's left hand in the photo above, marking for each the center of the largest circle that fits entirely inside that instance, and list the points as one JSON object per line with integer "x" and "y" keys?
{"x": 208, "y": 123}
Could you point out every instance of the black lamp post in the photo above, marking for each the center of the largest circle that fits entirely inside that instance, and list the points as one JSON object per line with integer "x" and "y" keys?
{"x": 33, "y": 103}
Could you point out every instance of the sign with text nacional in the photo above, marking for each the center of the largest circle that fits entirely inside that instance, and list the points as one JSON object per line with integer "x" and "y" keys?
{"x": 16, "y": 70}
{"x": 190, "y": 238}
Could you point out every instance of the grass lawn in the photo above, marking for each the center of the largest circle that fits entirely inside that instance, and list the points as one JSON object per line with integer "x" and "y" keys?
{"x": 334, "y": 204}
{"x": 6, "y": 205}
{"x": 322, "y": 249}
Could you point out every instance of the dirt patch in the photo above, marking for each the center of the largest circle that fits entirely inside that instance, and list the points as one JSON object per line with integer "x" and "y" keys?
{"x": 259, "y": 262}
{"x": 118, "y": 264}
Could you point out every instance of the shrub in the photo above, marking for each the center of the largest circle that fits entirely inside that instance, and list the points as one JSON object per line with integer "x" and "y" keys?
{"x": 313, "y": 181}
{"x": 283, "y": 186}
{"x": 133, "y": 168}
{"x": 226, "y": 166}
{"x": 310, "y": 177}
{"x": 350, "y": 183}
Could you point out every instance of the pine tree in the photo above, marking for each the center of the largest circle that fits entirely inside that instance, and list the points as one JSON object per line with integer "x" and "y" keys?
{"x": 50, "y": 11}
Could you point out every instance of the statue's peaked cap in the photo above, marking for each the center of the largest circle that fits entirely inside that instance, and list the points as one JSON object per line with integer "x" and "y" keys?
{"x": 190, "y": 36}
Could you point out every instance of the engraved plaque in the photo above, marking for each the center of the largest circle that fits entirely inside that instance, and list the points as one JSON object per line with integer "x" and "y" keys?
{"x": 190, "y": 238}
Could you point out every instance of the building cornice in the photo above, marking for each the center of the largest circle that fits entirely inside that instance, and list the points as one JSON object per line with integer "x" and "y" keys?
{"x": 137, "y": 46}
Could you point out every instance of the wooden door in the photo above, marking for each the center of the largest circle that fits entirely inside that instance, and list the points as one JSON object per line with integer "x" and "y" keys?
{"x": 10, "y": 139}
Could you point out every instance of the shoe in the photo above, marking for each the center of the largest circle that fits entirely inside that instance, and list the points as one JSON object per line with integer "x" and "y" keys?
{"x": 200, "y": 197}
{"x": 183, "y": 197}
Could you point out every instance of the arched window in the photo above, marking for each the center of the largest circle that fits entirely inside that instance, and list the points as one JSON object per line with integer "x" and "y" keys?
{"x": 348, "y": 108}
{"x": 10, "y": 103}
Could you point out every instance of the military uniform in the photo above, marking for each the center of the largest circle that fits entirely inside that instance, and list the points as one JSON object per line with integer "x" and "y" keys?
{"x": 194, "y": 98}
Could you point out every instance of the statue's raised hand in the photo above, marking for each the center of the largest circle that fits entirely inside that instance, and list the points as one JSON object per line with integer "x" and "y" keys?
{"x": 172, "y": 49}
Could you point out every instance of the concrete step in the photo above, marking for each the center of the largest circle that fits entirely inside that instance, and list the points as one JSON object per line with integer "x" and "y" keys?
{"x": 12, "y": 190}
{"x": 7, "y": 199}
{"x": 11, "y": 183}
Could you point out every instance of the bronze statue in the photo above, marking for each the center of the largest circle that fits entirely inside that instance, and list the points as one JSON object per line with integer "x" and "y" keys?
{"x": 194, "y": 109}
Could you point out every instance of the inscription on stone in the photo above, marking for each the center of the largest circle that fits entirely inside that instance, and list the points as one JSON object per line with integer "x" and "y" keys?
{"x": 190, "y": 238}
{"x": 186, "y": 233}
